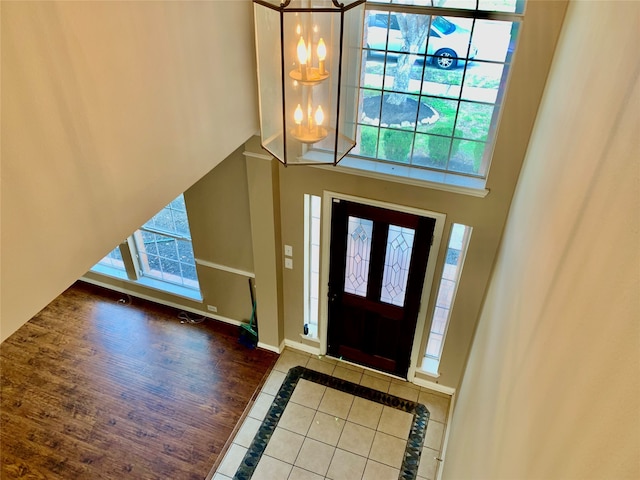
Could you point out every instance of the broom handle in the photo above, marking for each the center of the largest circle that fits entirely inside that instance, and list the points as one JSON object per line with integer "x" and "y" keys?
{"x": 254, "y": 315}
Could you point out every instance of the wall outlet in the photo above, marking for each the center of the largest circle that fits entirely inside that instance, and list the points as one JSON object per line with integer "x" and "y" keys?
{"x": 288, "y": 250}
{"x": 211, "y": 308}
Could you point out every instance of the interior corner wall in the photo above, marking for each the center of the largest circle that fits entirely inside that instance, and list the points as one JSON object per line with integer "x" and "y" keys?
{"x": 552, "y": 385}
{"x": 263, "y": 187}
{"x": 218, "y": 211}
{"x": 109, "y": 111}
{"x": 219, "y": 220}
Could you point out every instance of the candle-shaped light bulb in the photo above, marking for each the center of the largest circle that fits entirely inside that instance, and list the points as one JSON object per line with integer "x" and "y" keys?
{"x": 302, "y": 52}
{"x": 322, "y": 54}
{"x": 302, "y": 58}
{"x": 319, "y": 116}
{"x": 297, "y": 117}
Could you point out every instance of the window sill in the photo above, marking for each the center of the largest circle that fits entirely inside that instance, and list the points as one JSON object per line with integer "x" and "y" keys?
{"x": 428, "y": 374}
{"x": 176, "y": 290}
{"x": 150, "y": 283}
{"x": 447, "y": 182}
{"x": 109, "y": 272}
{"x": 310, "y": 338}
{"x": 429, "y": 367}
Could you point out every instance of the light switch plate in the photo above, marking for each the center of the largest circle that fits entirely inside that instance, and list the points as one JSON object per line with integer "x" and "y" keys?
{"x": 288, "y": 250}
{"x": 288, "y": 263}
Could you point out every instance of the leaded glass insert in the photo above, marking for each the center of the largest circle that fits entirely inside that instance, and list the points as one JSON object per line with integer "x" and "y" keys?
{"x": 356, "y": 275}
{"x": 396, "y": 264}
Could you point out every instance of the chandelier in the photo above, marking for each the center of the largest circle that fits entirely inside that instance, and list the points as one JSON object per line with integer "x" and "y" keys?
{"x": 309, "y": 58}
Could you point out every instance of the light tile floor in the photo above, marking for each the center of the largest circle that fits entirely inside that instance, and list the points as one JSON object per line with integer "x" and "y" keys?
{"x": 329, "y": 434}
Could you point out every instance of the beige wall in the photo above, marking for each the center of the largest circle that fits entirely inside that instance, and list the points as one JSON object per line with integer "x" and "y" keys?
{"x": 264, "y": 188}
{"x": 234, "y": 217}
{"x": 487, "y": 224}
{"x": 219, "y": 221}
{"x": 218, "y": 209}
{"x": 485, "y": 215}
{"x": 109, "y": 111}
{"x": 552, "y": 387}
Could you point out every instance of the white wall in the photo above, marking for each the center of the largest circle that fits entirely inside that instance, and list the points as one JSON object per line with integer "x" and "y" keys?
{"x": 552, "y": 386}
{"x": 109, "y": 111}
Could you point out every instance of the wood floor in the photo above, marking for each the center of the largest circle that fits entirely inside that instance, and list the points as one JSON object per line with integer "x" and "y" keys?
{"x": 97, "y": 388}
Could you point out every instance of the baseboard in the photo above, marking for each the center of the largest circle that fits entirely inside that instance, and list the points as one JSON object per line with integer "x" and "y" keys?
{"x": 302, "y": 347}
{"x": 271, "y": 348}
{"x": 434, "y": 386}
{"x": 160, "y": 301}
{"x": 447, "y": 431}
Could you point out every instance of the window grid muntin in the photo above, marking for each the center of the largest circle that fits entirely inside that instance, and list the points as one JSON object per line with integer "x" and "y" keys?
{"x": 490, "y": 134}
{"x": 385, "y": 91}
{"x": 176, "y": 211}
{"x": 400, "y": 6}
{"x": 113, "y": 259}
{"x": 477, "y": 163}
{"x": 157, "y": 264}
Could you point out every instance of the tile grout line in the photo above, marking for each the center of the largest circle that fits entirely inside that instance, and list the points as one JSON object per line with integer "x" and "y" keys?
{"x": 304, "y": 360}
{"x": 383, "y": 398}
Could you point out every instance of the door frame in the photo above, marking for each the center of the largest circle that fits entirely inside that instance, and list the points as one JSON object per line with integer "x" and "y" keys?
{"x": 440, "y": 218}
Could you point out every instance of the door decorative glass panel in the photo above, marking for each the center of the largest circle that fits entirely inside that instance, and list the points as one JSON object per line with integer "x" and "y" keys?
{"x": 378, "y": 263}
{"x": 358, "y": 255}
{"x": 396, "y": 264}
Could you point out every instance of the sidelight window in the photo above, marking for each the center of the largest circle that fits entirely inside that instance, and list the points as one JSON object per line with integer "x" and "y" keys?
{"x": 456, "y": 252}
{"x": 311, "y": 264}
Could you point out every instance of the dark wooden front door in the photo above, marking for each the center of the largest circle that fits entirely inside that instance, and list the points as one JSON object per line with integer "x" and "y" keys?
{"x": 378, "y": 261}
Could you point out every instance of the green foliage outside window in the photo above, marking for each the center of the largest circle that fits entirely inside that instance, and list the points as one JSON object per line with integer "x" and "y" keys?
{"x": 397, "y": 145}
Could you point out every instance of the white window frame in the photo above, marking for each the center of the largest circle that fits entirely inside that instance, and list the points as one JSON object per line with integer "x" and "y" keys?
{"x": 309, "y": 267}
{"x": 133, "y": 271}
{"x": 430, "y": 364}
{"x": 424, "y": 176}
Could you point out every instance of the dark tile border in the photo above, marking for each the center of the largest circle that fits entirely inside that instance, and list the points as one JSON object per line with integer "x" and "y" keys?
{"x": 409, "y": 469}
